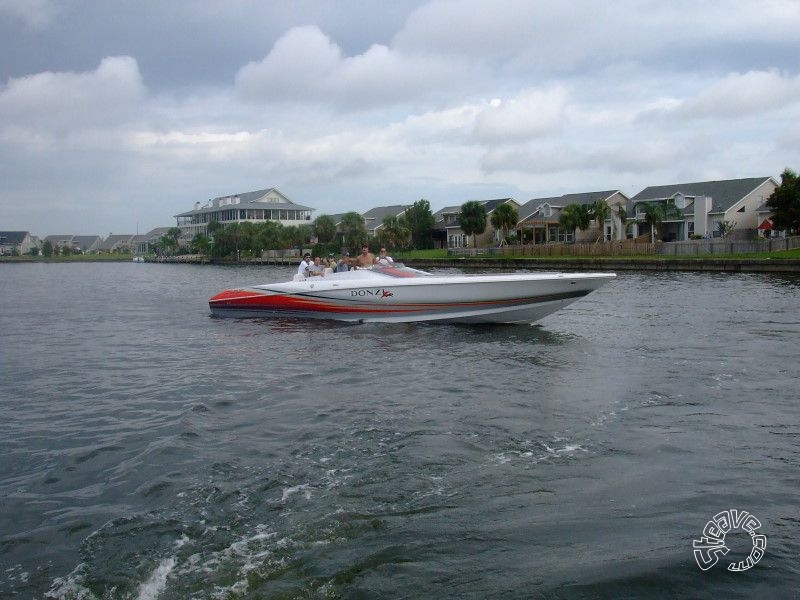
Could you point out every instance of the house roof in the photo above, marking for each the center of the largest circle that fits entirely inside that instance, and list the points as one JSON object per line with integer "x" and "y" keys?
{"x": 254, "y": 199}
{"x": 530, "y": 208}
{"x": 85, "y": 241}
{"x": 12, "y": 238}
{"x": 113, "y": 240}
{"x": 723, "y": 194}
{"x": 57, "y": 239}
{"x": 374, "y": 216}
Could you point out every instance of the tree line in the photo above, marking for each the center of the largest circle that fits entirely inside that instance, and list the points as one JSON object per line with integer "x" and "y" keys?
{"x": 414, "y": 228}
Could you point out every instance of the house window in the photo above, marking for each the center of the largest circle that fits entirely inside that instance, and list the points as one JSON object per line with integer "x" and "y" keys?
{"x": 741, "y": 210}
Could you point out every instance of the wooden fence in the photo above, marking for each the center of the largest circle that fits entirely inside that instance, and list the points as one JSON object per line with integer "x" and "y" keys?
{"x": 717, "y": 246}
{"x": 627, "y": 248}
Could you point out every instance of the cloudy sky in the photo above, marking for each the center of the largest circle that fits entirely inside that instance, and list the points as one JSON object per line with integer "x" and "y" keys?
{"x": 118, "y": 114}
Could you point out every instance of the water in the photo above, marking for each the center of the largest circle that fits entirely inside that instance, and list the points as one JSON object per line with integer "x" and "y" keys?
{"x": 150, "y": 451}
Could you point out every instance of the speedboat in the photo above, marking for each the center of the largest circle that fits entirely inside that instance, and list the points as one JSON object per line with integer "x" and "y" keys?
{"x": 400, "y": 294}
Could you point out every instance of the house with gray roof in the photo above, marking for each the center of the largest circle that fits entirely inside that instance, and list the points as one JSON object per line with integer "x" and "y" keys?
{"x": 373, "y": 218}
{"x": 17, "y": 242}
{"x": 697, "y": 209}
{"x": 256, "y": 207}
{"x": 144, "y": 243}
{"x": 58, "y": 241}
{"x": 86, "y": 244}
{"x": 539, "y": 218}
{"x": 122, "y": 242}
{"x": 446, "y": 220}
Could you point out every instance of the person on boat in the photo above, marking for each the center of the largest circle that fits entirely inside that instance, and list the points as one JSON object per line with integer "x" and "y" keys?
{"x": 383, "y": 259}
{"x": 344, "y": 263}
{"x": 330, "y": 262}
{"x": 365, "y": 259}
{"x": 317, "y": 268}
{"x": 302, "y": 269}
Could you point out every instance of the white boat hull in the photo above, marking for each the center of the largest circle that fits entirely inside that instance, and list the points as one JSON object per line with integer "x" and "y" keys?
{"x": 373, "y": 296}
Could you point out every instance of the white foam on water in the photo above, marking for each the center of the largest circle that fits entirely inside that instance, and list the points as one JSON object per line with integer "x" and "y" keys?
{"x": 157, "y": 582}
{"x": 295, "y": 489}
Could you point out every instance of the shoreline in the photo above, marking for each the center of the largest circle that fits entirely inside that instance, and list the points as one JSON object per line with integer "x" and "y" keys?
{"x": 648, "y": 263}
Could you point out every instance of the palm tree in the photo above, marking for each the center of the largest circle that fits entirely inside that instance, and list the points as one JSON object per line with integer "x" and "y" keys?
{"x": 653, "y": 215}
{"x": 574, "y": 216}
{"x": 623, "y": 221}
{"x": 504, "y": 217}
{"x": 472, "y": 219}
{"x": 354, "y": 231}
{"x": 324, "y": 229}
{"x": 394, "y": 233}
{"x": 600, "y": 211}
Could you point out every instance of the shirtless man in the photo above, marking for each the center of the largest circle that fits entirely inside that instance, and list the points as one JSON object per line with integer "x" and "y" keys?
{"x": 365, "y": 259}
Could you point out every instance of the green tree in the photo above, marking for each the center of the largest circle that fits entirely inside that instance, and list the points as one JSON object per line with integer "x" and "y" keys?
{"x": 503, "y": 218}
{"x": 574, "y": 216}
{"x": 472, "y": 219}
{"x": 172, "y": 237}
{"x": 622, "y": 214}
{"x": 785, "y": 203}
{"x": 200, "y": 244}
{"x": 270, "y": 235}
{"x": 47, "y": 248}
{"x": 393, "y": 234}
{"x": 600, "y": 211}
{"x": 725, "y": 228}
{"x": 653, "y": 215}
{"x": 354, "y": 231}
{"x": 325, "y": 229}
{"x": 418, "y": 220}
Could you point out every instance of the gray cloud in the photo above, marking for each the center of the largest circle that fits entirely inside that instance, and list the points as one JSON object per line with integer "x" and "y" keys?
{"x": 131, "y": 111}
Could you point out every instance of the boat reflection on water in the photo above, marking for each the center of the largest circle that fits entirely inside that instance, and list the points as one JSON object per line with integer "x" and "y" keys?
{"x": 400, "y": 294}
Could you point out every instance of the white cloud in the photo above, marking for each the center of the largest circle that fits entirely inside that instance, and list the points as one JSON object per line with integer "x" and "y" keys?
{"x": 305, "y": 65}
{"x": 533, "y": 113}
{"x": 35, "y": 14}
{"x": 742, "y": 94}
{"x": 58, "y": 103}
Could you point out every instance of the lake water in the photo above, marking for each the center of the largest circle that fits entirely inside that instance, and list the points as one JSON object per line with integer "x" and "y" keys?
{"x": 151, "y": 451}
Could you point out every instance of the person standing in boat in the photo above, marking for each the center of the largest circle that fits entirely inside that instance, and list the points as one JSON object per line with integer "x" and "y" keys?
{"x": 302, "y": 269}
{"x": 384, "y": 260}
{"x": 365, "y": 259}
{"x": 344, "y": 263}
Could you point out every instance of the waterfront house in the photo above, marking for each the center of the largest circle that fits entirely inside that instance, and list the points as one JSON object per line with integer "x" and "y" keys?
{"x": 16, "y": 242}
{"x": 59, "y": 241}
{"x": 697, "y": 209}
{"x": 373, "y": 218}
{"x": 145, "y": 243}
{"x": 446, "y": 221}
{"x": 122, "y": 242}
{"x": 256, "y": 207}
{"x": 539, "y": 218}
{"x": 86, "y": 244}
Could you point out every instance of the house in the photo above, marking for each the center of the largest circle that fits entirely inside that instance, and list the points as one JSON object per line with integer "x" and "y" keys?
{"x": 86, "y": 244}
{"x": 698, "y": 209}
{"x": 539, "y": 218}
{"x": 144, "y": 243}
{"x": 446, "y": 220}
{"x": 122, "y": 242}
{"x": 59, "y": 241}
{"x": 16, "y": 242}
{"x": 373, "y": 218}
{"x": 256, "y": 207}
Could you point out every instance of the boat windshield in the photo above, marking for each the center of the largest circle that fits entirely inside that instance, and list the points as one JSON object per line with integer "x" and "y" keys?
{"x": 398, "y": 270}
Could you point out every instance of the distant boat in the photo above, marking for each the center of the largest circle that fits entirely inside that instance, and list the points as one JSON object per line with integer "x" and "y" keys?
{"x": 138, "y": 259}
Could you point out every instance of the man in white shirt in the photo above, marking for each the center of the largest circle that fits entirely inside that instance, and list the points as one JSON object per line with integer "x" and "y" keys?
{"x": 304, "y": 265}
{"x": 383, "y": 259}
